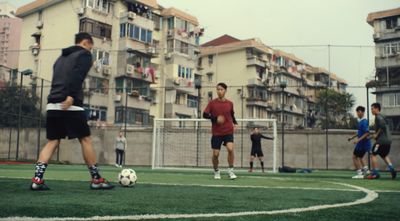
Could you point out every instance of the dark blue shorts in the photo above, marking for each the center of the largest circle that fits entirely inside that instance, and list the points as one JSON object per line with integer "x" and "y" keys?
{"x": 360, "y": 152}
{"x": 62, "y": 124}
{"x": 217, "y": 141}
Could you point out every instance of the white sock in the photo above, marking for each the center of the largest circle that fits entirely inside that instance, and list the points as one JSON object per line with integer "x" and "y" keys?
{"x": 359, "y": 172}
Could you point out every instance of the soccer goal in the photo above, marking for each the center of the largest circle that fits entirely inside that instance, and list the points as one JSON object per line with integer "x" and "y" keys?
{"x": 186, "y": 143}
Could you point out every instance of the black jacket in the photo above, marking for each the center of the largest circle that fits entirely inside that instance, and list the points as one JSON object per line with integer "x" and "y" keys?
{"x": 69, "y": 72}
{"x": 256, "y": 140}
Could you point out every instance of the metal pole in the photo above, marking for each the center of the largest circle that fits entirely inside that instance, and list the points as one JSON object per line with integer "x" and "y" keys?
{"x": 241, "y": 125}
{"x": 9, "y": 143}
{"x": 326, "y": 108}
{"x": 126, "y": 112}
{"x": 283, "y": 127}
{"x": 326, "y": 127}
{"x": 198, "y": 126}
{"x": 19, "y": 116}
{"x": 368, "y": 117}
{"x": 125, "y": 118}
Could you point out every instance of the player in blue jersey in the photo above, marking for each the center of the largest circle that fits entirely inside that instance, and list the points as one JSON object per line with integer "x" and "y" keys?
{"x": 362, "y": 144}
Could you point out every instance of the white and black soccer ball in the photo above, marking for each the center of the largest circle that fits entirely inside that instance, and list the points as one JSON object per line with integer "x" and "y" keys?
{"x": 127, "y": 178}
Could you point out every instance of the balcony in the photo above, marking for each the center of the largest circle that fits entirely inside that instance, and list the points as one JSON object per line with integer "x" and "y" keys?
{"x": 147, "y": 74}
{"x": 259, "y": 102}
{"x": 181, "y": 35}
{"x": 391, "y": 111}
{"x": 386, "y": 35}
{"x": 389, "y": 61}
{"x": 181, "y": 84}
{"x": 132, "y": 18}
{"x": 256, "y": 81}
{"x": 135, "y": 100}
{"x": 173, "y": 109}
{"x": 382, "y": 88}
{"x": 255, "y": 61}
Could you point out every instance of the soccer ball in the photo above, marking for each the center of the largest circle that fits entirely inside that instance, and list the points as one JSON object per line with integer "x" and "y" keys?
{"x": 127, "y": 178}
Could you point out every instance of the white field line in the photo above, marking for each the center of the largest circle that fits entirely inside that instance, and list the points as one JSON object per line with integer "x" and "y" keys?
{"x": 234, "y": 186}
{"x": 369, "y": 197}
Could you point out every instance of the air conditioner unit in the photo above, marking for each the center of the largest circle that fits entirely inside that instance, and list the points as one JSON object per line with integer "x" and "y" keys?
{"x": 39, "y": 24}
{"x": 377, "y": 36}
{"x": 151, "y": 50}
{"x": 168, "y": 56}
{"x": 106, "y": 71}
{"x": 81, "y": 11}
{"x": 170, "y": 33}
{"x": 117, "y": 98}
{"x": 131, "y": 15}
{"x": 130, "y": 69}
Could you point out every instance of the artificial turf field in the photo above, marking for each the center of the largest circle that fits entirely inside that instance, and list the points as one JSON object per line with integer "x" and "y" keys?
{"x": 194, "y": 195}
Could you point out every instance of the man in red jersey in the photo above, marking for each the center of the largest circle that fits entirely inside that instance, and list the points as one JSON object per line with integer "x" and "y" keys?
{"x": 220, "y": 112}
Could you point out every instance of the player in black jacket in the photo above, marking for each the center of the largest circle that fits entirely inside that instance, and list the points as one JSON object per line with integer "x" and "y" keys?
{"x": 256, "y": 150}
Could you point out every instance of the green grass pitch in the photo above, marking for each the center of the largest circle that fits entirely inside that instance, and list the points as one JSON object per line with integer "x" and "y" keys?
{"x": 194, "y": 192}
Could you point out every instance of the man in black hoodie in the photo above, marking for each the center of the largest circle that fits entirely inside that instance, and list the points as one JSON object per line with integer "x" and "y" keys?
{"x": 65, "y": 114}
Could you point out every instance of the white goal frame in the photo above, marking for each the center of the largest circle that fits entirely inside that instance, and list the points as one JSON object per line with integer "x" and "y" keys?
{"x": 157, "y": 133}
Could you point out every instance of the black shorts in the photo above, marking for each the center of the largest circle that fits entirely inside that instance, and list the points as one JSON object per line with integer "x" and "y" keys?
{"x": 62, "y": 124}
{"x": 382, "y": 151}
{"x": 257, "y": 152}
{"x": 217, "y": 141}
{"x": 359, "y": 152}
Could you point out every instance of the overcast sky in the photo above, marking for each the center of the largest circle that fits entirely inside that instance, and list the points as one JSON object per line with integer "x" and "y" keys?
{"x": 301, "y": 23}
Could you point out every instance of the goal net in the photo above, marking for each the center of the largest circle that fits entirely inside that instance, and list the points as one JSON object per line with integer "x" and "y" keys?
{"x": 186, "y": 143}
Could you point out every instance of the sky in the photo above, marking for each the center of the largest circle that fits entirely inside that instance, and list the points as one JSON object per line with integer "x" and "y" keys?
{"x": 302, "y": 27}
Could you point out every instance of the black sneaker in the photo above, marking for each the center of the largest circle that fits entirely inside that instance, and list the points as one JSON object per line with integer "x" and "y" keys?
{"x": 100, "y": 184}
{"x": 394, "y": 174}
{"x": 38, "y": 185}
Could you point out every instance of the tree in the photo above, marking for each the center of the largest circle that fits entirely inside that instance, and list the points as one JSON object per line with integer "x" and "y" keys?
{"x": 10, "y": 99}
{"x": 338, "y": 105}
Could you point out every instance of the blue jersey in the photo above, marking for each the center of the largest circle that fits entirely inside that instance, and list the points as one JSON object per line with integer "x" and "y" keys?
{"x": 363, "y": 127}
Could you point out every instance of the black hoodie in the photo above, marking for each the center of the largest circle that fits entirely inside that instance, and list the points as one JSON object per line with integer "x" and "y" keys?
{"x": 69, "y": 72}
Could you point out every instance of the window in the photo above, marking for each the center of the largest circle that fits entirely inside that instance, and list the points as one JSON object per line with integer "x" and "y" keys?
{"x": 90, "y": 3}
{"x": 143, "y": 34}
{"x": 140, "y": 9}
{"x": 149, "y": 38}
{"x": 210, "y": 59}
{"x": 210, "y": 77}
{"x": 119, "y": 85}
{"x": 122, "y": 30}
{"x": 98, "y": 85}
{"x": 157, "y": 22}
{"x": 134, "y": 116}
{"x": 210, "y": 95}
{"x": 171, "y": 23}
{"x": 137, "y": 33}
{"x": 391, "y": 49}
{"x": 180, "y": 99}
{"x": 391, "y": 23}
{"x": 96, "y": 113}
{"x": 179, "y": 71}
{"x": 95, "y": 28}
{"x": 99, "y": 5}
{"x": 101, "y": 56}
{"x": 137, "y": 85}
{"x": 192, "y": 101}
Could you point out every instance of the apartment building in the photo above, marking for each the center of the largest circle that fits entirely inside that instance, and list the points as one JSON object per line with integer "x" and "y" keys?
{"x": 10, "y": 30}
{"x": 386, "y": 25}
{"x": 132, "y": 64}
{"x": 255, "y": 76}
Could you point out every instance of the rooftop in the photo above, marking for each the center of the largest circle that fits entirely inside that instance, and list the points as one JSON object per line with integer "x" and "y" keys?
{"x": 233, "y": 44}
{"x": 382, "y": 14}
{"x": 224, "y": 39}
{"x": 174, "y": 12}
